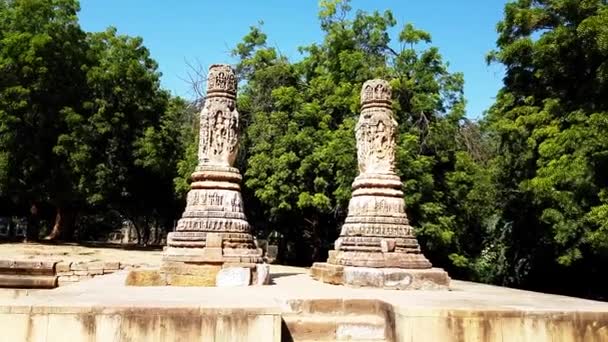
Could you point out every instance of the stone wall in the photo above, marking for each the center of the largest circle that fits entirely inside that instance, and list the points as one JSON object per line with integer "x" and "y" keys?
{"x": 72, "y": 272}
{"x": 60, "y": 324}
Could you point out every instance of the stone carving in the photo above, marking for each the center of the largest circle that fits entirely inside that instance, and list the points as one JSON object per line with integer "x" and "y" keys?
{"x": 376, "y": 233}
{"x": 214, "y": 206}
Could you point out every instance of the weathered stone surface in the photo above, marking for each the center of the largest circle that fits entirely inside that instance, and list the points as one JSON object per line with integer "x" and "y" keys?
{"x": 328, "y": 273}
{"x": 233, "y": 276}
{"x": 189, "y": 269}
{"x": 145, "y": 278}
{"x": 63, "y": 266}
{"x": 191, "y": 280}
{"x": 262, "y": 274}
{"x": 111, "y": 265}
{"x": 213, "y": 228}
{"x": 376, "y": 233}
{"x": 79, "y": 266}
{"x": 28, "y": 281}
{"x": 387, "y": 278}
{"x": 27, "y": 267}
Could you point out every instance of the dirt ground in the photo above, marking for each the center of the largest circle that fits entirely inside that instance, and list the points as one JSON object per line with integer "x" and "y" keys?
{"x": 79, "y": 253}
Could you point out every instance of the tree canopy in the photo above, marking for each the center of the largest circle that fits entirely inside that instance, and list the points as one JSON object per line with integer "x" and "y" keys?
{"x": 549, "y": 124}
{"x": 300, "y": 145}
{"x": 89, "y": 136}
{"x": 84, "y": 124}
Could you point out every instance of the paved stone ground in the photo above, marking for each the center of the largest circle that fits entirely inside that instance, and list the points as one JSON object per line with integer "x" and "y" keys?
{"x": 78, "y": 253}
{"x": 287, "y": 282}
{"x": 293, "y": 283}
{"x": 469, "y": 311}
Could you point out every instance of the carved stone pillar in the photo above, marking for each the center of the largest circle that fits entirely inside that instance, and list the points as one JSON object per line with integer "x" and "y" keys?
{"x": 377, "y": 246}
{"x": 213, "y": 232}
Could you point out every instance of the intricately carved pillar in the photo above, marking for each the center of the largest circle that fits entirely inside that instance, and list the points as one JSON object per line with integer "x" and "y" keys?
{"x": 377, "y": 246}
{"x": 213, "y": 231}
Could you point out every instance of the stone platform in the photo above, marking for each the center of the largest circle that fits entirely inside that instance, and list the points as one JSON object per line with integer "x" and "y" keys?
{"x": 383, "y": 278}
{"x": 296, "y": 308}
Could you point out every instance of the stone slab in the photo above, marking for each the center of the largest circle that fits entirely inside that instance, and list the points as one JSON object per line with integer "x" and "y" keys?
{"x": 233, "y": 277}
{"x": 27, "y": 267}
{"x": 386, "y": 278}
{"x": 28, "y": 281}
{"x": 262, "y": 274}
{"x": 203, "y": 280}
{"x": 141, "y": 277}
{"x": 468, "y": 312}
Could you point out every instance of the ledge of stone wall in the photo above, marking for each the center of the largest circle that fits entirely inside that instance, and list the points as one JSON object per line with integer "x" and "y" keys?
{"x": 73, "y": 272}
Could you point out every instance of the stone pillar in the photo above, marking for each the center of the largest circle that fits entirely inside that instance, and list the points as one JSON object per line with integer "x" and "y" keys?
{"x": 377, "y": 246}
{"x": 213, "y": 233}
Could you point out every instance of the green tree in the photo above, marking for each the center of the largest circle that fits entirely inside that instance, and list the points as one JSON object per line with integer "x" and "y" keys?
{"x": 84, "y": 124}
{"x": 43, "y": 53}
{"x": 299, "y": 128}
{"x": 550, "y": 122}
{"x": 123, "y": 149}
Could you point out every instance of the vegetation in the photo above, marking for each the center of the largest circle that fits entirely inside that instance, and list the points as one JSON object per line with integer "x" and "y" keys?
{"x": 88, "y": 136}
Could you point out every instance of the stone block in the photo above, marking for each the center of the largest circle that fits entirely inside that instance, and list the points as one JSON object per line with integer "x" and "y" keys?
{"x": 28, "y": 281}
{"x": 397, "y": 278}
{"x": 189, "y": 269}
{"x": 111, "y": 265}
{"x": 68, "y": 273}
{"x": 388, "y": 245}
{"x": 191, "y": 280}
{"x": 360, "y": 331}
{"x": 214, "y": 240}
{"x": 145, "y": 278}
{"x": 213, "y": 254}
{"x": 65, "y": 282}
{"x": 79, "y": 266}
{"x": 328, "y": 273}
{"x": 81, "y": 273}
{"x": 95, "y": 272}
{"x": 123, "y": 266}
{"x": 262, "y": 272}
{"x": 387, "y": 278}
{"x": 96, "y": 265}
{"x": 233, "y": 276}
{"x": 363, "y": 277}
{"x": 62, "y": 267}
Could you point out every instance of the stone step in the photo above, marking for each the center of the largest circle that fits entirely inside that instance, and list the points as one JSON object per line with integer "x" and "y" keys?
{"x": 28, "y": 281}
{"x": 27, "y": 267}
{"x": 303, "y": 327}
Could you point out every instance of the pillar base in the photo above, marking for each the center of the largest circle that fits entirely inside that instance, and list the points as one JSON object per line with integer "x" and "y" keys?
{"x": 384, "y": 278}
{"x": 201, "y": 275}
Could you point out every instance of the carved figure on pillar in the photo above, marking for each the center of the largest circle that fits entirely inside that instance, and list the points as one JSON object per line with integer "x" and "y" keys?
{"x": 213, "y": 229}
{"x": 376, "y": 240}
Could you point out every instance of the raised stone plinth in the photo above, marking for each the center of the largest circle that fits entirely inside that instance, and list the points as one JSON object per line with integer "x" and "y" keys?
{"x": 377, "y": 246}
{"x": 28, "y": 274}
{"x": 386, "y": 278}
{"x": 296, "y": 308}
{"x": 213, "y": 237}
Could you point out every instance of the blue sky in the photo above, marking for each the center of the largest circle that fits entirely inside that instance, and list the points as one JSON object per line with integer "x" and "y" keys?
{"x": 204, "y": 31}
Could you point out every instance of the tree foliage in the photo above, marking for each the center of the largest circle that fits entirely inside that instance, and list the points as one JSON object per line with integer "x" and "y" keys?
{"x": 550, "y": 122}
{"x": 88, "y": 137}
{"x": 84, "y": 124}
{"x": 300, "y": 146}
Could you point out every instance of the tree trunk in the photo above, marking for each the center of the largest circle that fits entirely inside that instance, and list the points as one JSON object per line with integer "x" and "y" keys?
{"x": 33, "y": 228}
{"x": 57, "y": 226}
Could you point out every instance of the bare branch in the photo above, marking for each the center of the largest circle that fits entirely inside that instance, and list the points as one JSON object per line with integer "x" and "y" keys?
{"x": 196, "y": 77}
